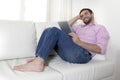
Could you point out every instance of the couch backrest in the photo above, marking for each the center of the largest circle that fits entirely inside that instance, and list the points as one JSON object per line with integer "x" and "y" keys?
{"x": 17, "y": 39}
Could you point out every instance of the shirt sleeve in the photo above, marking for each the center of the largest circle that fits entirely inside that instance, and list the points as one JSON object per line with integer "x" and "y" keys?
{"x": 102, "y": 39}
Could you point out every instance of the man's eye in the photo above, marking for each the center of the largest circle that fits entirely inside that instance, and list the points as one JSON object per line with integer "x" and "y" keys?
{"x": 81, "y": 16}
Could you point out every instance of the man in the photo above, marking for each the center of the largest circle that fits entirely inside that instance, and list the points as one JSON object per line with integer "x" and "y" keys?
{"x": 78, "y": 46}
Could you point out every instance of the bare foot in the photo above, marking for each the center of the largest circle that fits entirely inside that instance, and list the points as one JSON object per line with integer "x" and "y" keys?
{"x": 30, "y": 60}
{"x": 36, "y": 65}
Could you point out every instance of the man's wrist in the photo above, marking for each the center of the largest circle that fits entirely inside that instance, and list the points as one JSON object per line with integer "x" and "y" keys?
{"x": 80, "y": 43}
{"x": 77, "y": 17}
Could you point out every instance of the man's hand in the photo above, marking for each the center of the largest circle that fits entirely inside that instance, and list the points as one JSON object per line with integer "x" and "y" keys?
{"x": 74, "y": 19}
{"x": 75, "y": 38}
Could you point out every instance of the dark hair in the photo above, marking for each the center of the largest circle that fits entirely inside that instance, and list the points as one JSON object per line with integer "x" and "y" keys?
{"x": 86, "y": 9}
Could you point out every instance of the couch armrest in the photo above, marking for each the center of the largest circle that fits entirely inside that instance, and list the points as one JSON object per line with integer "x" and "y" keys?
{"x": 113, "y": 55}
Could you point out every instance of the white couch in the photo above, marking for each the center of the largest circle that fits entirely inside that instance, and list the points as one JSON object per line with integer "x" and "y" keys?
{"x": 18, "y": 41}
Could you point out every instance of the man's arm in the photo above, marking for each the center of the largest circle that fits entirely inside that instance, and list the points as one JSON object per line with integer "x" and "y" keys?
{"x": 73, "y": 20}
{"x": 90, "y": 47}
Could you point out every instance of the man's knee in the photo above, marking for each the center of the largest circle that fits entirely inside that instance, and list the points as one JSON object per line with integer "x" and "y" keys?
{"x": 51, "y": 29}
{"x": 54, "y": 29}
{"x": 47, "y": 29}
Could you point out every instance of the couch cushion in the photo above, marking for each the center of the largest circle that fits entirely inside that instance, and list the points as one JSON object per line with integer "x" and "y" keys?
{"x": 6, "y": 72}
{"x": 96, "y": 69}
{"x": 103, "y": 70}
{"x": 99, "y": 57}
{"x": 17, "y": 39}
{"x": 72, "y": 71}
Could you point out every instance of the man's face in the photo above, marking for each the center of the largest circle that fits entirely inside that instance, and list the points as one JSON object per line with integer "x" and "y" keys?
{"x": 86, "y": 17}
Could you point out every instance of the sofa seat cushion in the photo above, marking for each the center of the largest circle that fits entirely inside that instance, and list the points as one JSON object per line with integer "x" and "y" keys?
{"x": 6, "y": 72}
{"x": 102, "y": 69}
{"x": 72, "y": 71}
{"x": 17, "y": 39}
{"x": 94, "y": 70}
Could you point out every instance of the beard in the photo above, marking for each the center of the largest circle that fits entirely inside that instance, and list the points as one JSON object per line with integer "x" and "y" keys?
{"x": 88, "y": 20}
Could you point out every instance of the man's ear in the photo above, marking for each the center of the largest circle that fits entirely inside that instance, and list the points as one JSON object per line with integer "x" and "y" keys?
{"x": 93, "y": 17}
{"x": 92, "y": 14}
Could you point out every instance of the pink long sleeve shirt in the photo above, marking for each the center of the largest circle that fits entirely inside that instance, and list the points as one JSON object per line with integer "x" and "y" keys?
{"x": 94, "y": 34}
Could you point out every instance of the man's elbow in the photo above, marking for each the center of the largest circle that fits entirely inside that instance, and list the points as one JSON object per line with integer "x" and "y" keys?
{"x": 98, "y": 50}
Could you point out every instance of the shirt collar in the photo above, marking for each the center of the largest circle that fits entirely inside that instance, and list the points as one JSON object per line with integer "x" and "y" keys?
{"x": 91, "y": 24}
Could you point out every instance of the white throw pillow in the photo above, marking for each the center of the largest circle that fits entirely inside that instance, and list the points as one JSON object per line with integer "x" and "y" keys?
{"x": 17, "y": 39}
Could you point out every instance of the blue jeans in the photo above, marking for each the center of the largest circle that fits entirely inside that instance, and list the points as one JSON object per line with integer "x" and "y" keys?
{"x": 53, "y": 38}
